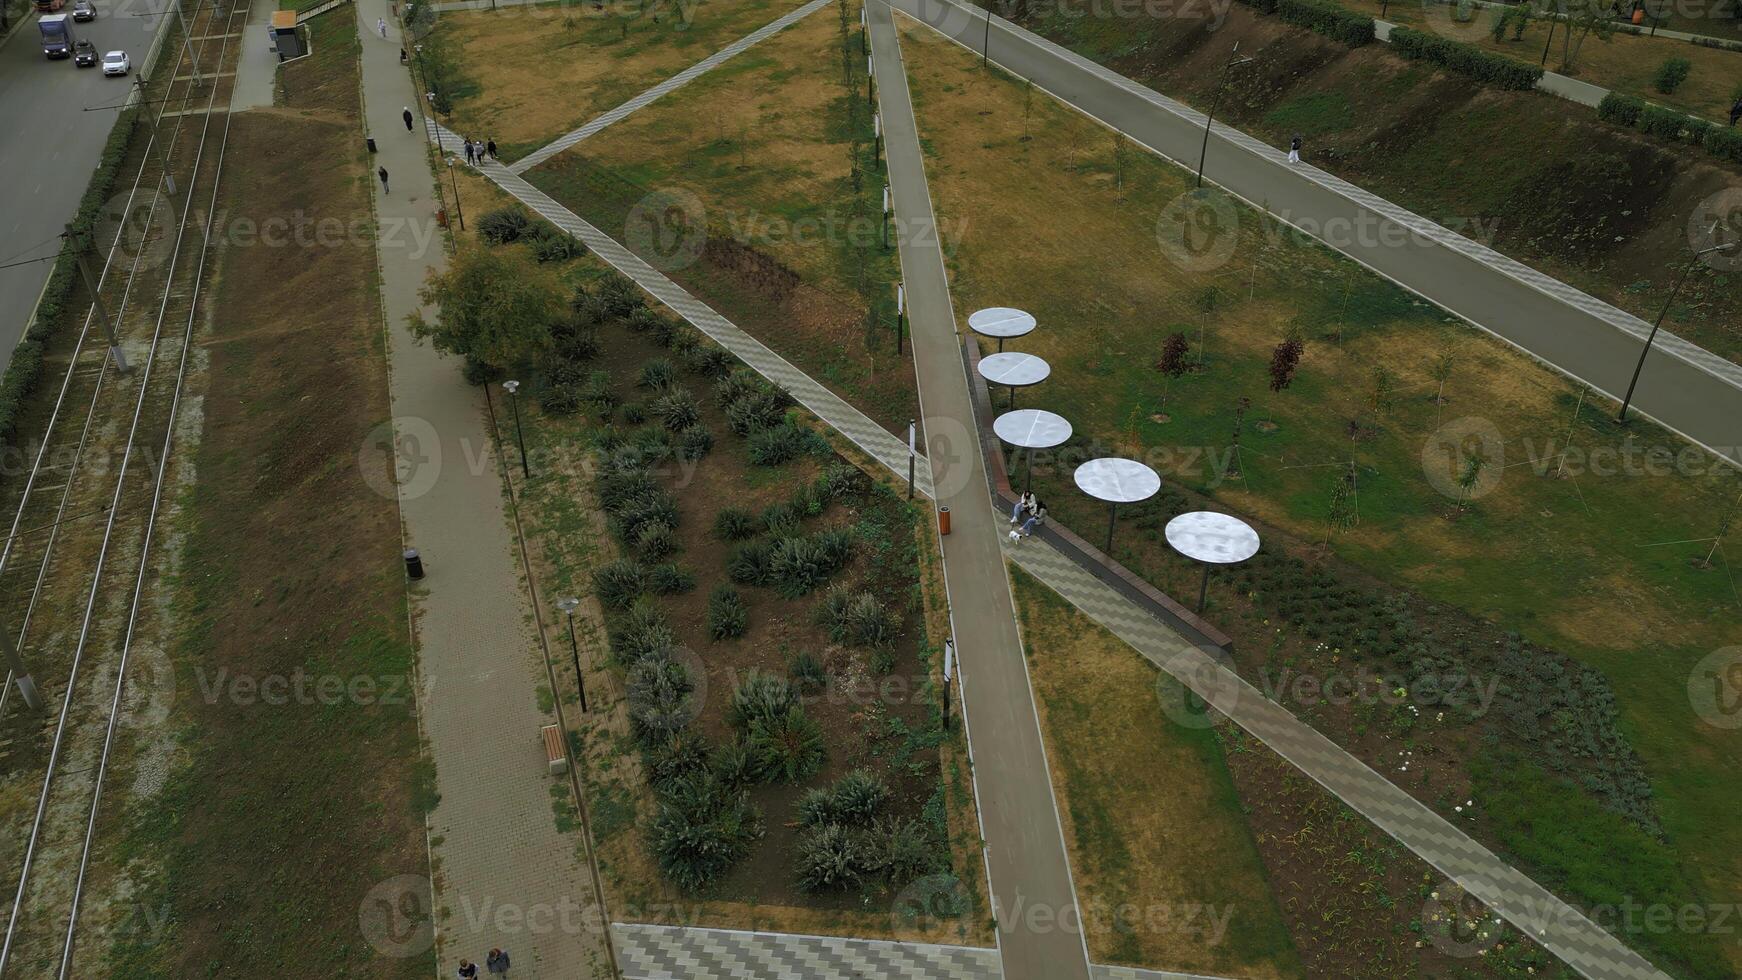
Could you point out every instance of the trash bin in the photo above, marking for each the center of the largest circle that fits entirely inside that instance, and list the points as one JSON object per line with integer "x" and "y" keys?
{"x": 943, "y": 520}
{"x": 371, "y": 141}
{"x": 442, "y": 217}
{"x": 413, "y": 563}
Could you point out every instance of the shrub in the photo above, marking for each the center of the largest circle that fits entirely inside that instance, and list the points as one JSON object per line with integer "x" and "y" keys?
{"x": 655, "y": 540}
{"x": 657, "y": 374}
{"x": 1622, "y": 110}
{"x": 550, "y": 244}
{"x": 560, "y": 400}
{"x": 618, "y": 296}
{"x": 760, "y": 697}
{"x": 643, "y": 319}
{"x": 1328, "y": 19}
{"x": 1724, "y": 143}
{"x": 837, "y": 546}
{"x": 830, "y": 858}
{"x": 618, "y": 489}
{"x": 726, "y": 616}
{"x": 902, "y": 853}
{"x": 787, "y": 747}
{"x": 655, "y": 507}
{"x": 781, "y": 520}
{"x": 864, "y": 622}
{"x": 695, "y": 848}
{"x": 598, "y": 391}
{"x": 694, "y": 442}
{"x": 737, "y": 385}
{"x": 797, "y": 566}
{"x": 857, "y": 797}
{"x": 1465, "y": 59}
{"x": 664, "y": 331}
{"x": 734, "y": 767}
{"x": 671, "y": 579}
{"x": 1665, "y": 124}
{"x": 755, "y": 412}
{"x": 807, "y": 671}
{"x": 734, "y": 524}
{"x": 840, "y": 480}
{"x": 751, "y": 563}
{"x": 619, "y": 583}
{"x": 1671, "y": 74}
{"x": 504, "y": 225}
{"x": 659, "y": 692}
{"x": 711, "y": 362}
{"x": 643, "y": 634}
{"x": 676, "y": 409}
{"x": 679, "y": 754}
{"x": 634, "y": 413}
{"x": 779, "y": 444}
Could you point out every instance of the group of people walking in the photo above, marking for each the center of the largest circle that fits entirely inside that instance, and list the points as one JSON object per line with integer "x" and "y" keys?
{"x": 496, "y": 963}
{"x": 478, "y": 150}
{"x": 1028, "y": 514}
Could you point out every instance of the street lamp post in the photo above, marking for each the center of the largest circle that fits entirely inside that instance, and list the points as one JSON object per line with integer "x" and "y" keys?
{"x": 459, "y": 211}
{"x": 1234, "y": 61}
{"x": 1651, "y": 337}
{"x": 513, "y": 388}
{"x": 567, "y": 604}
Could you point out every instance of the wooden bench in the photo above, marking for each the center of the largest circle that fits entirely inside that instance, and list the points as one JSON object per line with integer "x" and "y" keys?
{"x": 555, "y": 751}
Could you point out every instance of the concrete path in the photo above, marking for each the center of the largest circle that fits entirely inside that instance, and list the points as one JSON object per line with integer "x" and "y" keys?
{"x": 1025, "y": 847}
{"x": 256, "y": 63}
{"x": 1554, "y": 83}
{"x": 669, "y": 86}
{"x": 677, "y": 953}
{"x": 1559, "y": 927}
{"x": 1684, "y": 387}
{"x": 504, "y": 875}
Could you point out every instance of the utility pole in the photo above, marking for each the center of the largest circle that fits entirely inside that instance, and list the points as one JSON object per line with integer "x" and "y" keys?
{"x": 1649, "y": 338}
{"x": 1234, "y": 60}
{"x": 20, "y": 676}
{"x": 162, "y": 152}
{"x": 84, "y": 264}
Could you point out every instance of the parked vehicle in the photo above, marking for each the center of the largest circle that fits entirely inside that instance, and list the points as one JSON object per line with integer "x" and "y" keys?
{"x": 49, "y": 5}
{"x": 84, "y": 10}
{"x": 57, "y": 35}
{"x": 116, "y": 63}
{"x": 84, "y": 53}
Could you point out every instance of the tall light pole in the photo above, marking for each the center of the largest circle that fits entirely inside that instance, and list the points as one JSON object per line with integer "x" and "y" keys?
{"x": 459, "y": 210}
{"x": 1649, "y": 338}
{"x": 513, "y": 389}
{"x": 568, "y": 604}
{"x": 1234, "y": 61}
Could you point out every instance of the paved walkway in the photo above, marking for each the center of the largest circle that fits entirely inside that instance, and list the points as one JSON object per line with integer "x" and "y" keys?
{"x": 1026, "y": 857}
{"x": 677, "y": 953}
{"x": 1553, "y": 923}
{"x": 1684, "y": 387}
{"x": 669, "y": 86}
{"x": 1554, "y": 83}
{"x": 504, "y": 875}
{"x": 256, "y": 65}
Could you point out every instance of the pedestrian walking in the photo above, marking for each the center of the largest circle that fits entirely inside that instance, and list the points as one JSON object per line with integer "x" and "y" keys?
{"x": 497, "y": 962}
{"x": 402, "y": 56}
{"x": 381, "y": 27}
{"x": 471, "y": 153}
{"x": 1736, "y": 110}
{"x": 1294, "y": 149}
{"x": 490, "y": 147}
{"x": 382, "y": 173}
{"x": 467, "y": 971}
{"x": 1024, "y": 504}
{"x": 406, "y": 115}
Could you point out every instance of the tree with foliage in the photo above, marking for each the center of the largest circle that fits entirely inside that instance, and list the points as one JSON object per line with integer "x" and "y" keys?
{"x": 1175, "y": 360}
{"x": 491, "y": 310}
{"x": 1469, "y": 476}
{"x": 1284, "y": 362}
{"x": 1344, "y": 511}
{"x": 1584, "y": 18}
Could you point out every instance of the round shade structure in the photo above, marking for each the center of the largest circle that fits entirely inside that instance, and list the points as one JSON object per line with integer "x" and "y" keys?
{"x": 1000, "y": 323}
{"x": 1031, "y": 429}
{"x": 1116, "y": 481}
{"x": 1013, "y": 371}
{"x": 1211, "y": 539}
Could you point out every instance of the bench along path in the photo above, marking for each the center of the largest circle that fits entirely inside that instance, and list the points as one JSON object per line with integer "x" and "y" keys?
{"x": 1556, "y": 925}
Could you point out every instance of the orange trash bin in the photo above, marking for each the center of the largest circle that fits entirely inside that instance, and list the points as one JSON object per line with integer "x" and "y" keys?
{"x": 943, "y": 520}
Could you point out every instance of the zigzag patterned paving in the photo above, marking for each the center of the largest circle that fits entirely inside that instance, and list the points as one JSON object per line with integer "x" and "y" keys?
{"x": 668, "y": 86}
{"x": 679, "y": 953}
{"x": 1551, "y": 922}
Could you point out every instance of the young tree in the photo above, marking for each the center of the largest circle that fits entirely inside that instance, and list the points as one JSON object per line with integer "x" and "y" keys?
{"x": 1344, "y": 511}
{"x": 1284, "y": 362}
{"x": 1027, "y": 106}
{"x": 1584, "y": 18}
{"x": 1469, "y": 476}
{"x": 1119, "y": 164}
{"x": 489, "y": 309}
{"x": 1441, "y": 371}
{"x": 1175, "y": 360}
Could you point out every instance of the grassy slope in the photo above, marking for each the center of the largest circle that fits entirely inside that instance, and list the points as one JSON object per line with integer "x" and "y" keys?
{"x": 765, "y": 143}
{"x": 1152, "y": 815}
{"x": 518, "y": 59}
{"x": 1597, "y": 206}
{"x": 1560, "y": 560}
{"x": 283, "y": 817}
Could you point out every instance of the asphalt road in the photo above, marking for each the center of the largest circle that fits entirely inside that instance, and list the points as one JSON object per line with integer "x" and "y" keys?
{"x": 49, "y": 145}
{"x": 1034, "y": 902}
{"x": 1683, "y": 387}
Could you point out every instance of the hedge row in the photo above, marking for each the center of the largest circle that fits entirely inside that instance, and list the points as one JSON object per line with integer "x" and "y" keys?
{"x": 1325, "y": 18}
{"x": 25, "y": 369}
{"x": 1671, "y": 126}
{"x": 1465, "y": 59}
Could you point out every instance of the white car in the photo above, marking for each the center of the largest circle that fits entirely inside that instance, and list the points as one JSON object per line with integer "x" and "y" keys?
{"x": 116, "y": 63}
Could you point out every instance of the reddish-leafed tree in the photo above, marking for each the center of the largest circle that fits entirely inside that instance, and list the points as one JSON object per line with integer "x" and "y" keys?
{"x": 1284, "y": 362}
{"x": 1175, "y": 354}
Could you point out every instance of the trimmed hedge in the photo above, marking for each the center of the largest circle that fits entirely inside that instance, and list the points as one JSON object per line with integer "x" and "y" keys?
{"x": 25, "y": 370}
{"x": 1332, "y": 21}
{"x": 1622, "y": 110}
{"x": 1724, "y": 143}
{"x": 1465, "y": 59}
{"x": 1671, "y": 126}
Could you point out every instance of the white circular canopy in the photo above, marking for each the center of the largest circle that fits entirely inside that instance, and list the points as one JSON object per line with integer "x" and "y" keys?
{"x": 1032, "y": 428}
{"x": 1207, "y": 536}
{"x": 1117, "y": 481}
{"x": 1014, "y": 369}
{"x": 1001, "y": 322}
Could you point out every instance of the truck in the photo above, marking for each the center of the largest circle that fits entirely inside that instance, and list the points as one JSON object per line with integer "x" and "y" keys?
{"x": 57, "y": 35}
{"x": 47, "y": 6}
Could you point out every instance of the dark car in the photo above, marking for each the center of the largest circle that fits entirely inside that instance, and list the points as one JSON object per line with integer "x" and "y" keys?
{"x": 84, "y": 10}
{"x": 84, "y": 53}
